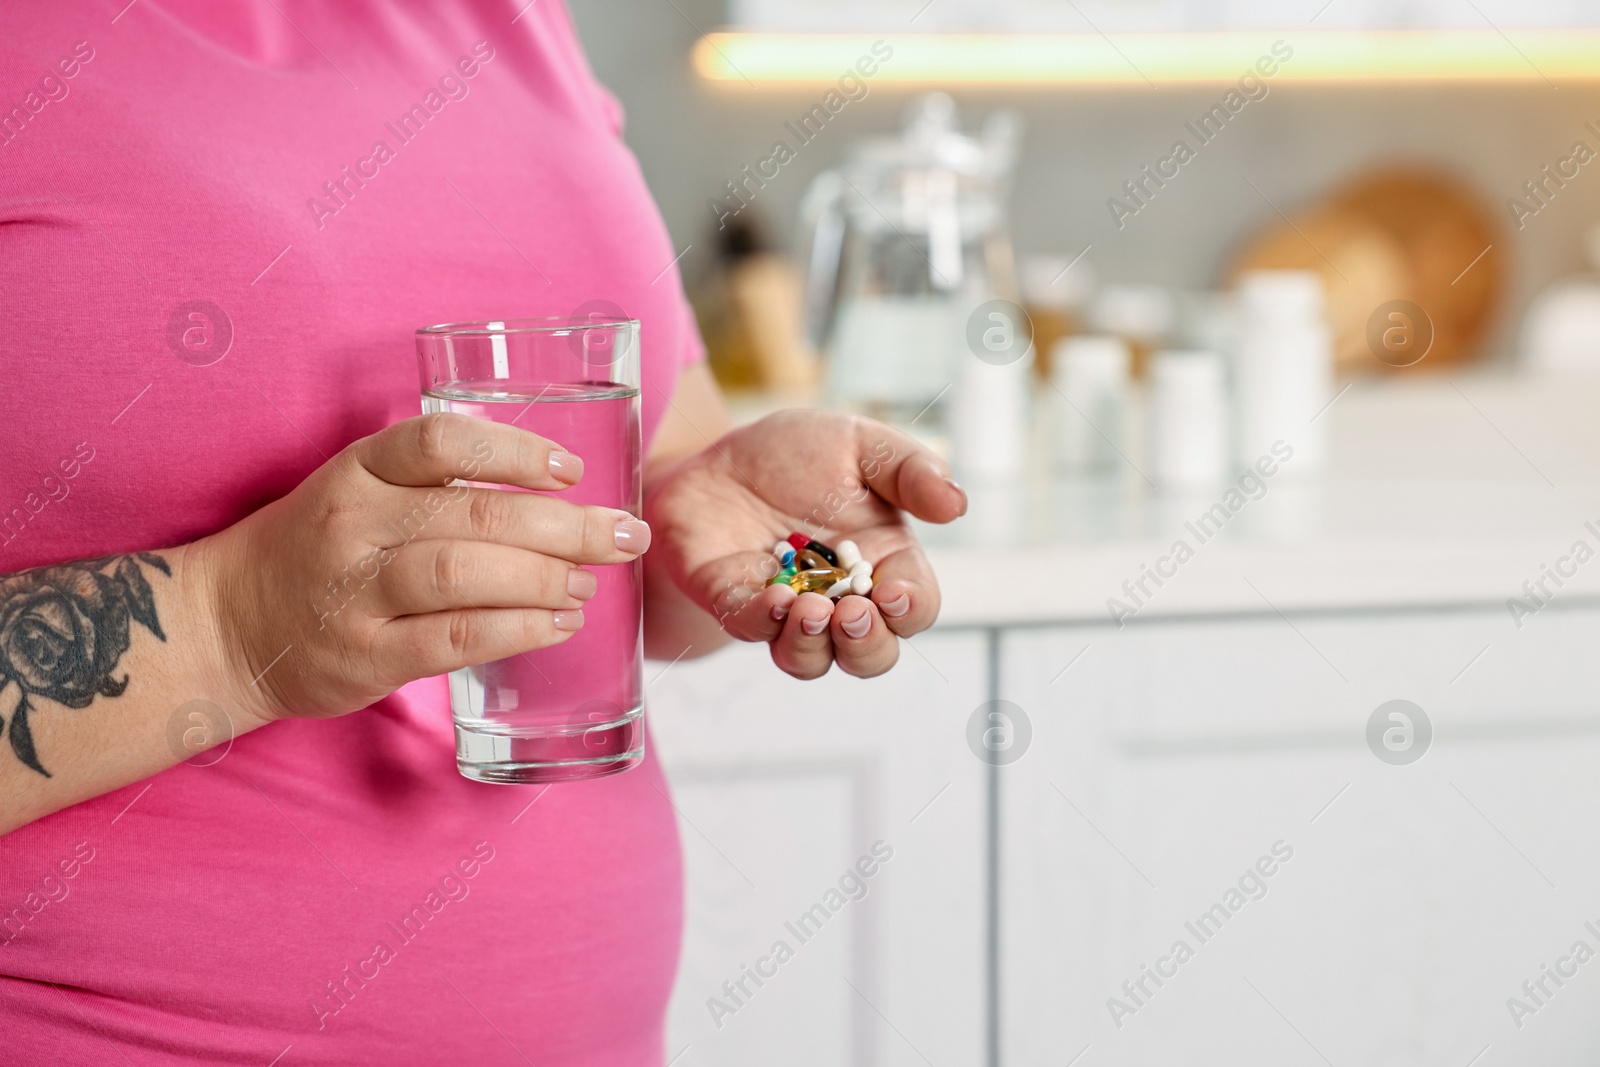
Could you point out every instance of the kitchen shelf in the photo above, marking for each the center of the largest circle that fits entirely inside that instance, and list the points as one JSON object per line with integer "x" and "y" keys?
{"x": 778, "y": 60}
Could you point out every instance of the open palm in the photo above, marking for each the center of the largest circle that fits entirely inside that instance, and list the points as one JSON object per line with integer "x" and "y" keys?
{"x": 717, "y": 515}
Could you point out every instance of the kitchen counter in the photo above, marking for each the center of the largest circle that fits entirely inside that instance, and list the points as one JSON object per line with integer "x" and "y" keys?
{"x": 1440, "y": 491}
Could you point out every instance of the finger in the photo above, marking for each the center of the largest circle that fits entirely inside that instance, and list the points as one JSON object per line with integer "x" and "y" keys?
{"x": 862, "y": 644}
{"x": 735, "y": 590}
{"x": 905, "y": 591}
{"x": 433, "y": 449}
{"x": 444, "y": 641}
{"x": 441, "y": 575}
{"x": 805, "y": 648}
{"x": 908, "y": 475}
{"x": 749, "y": 615}
{"x": 573, "y": 532}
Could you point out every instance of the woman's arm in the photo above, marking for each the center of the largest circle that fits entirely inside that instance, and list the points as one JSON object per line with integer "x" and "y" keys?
{"x": 675, "y": 626}
{"x": 376, "y": 570}
{"x": 96, "y": 659}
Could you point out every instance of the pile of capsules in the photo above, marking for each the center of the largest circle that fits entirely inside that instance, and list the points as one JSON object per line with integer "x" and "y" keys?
{"x": 809, "y": 566}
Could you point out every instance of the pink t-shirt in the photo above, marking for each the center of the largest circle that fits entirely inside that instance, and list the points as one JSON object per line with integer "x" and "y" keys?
{"x": 219, "y": 225}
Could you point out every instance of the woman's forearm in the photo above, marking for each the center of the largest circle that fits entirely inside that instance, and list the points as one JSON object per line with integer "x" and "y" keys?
{"x": 111, "y": 670}
{"x": 674, "y": 625}
{"x": 114, "y": 669}
{"x": 378, "y": 569}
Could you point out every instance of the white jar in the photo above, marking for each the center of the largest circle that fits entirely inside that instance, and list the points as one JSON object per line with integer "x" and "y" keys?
{"x": 1283, "y": 369}
{"x": 989, "y": 424}
{"x": 1187, "y": 420}
{"x": 1090, "y": 395}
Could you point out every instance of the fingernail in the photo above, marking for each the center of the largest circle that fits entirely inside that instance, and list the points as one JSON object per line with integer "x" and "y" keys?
{"x": 780, "y": 611}
{"x": 858, "y": 628}
{"x": 581, "y": 583}
{"x": 813, "y": 627}
{"x": 896, "y": 607}
{"x": 569, "y": 620}
{"x": 633, "y": 535}
{"x": 565, "y": 467}
{"x": 952, "y": 483}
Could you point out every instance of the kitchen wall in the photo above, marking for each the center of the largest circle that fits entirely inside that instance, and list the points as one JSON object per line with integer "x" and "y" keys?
{"x": 1080, "y": 145}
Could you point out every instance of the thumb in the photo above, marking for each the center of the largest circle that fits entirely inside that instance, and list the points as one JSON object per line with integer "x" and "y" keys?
{"x": 908, "y": 475}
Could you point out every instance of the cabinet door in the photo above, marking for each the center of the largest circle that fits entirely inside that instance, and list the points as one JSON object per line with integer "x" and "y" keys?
{"x": 1171, "y": 759}
{"x": 784, "y": 787}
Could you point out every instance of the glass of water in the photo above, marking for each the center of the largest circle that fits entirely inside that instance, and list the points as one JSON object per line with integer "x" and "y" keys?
{"x": 573, "y": 710}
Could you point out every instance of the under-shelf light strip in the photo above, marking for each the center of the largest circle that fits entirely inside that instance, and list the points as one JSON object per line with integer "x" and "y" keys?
{"x": 777, "y": 59}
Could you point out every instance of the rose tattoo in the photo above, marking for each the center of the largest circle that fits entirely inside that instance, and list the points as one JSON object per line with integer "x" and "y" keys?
{"x": 62, "y": 630}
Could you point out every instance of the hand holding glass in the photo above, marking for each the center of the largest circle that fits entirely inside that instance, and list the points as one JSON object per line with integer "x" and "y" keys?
{"x": 572, "y": 710}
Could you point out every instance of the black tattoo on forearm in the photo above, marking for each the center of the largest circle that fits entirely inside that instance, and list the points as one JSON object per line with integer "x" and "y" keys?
{"x": 63, "y": 628}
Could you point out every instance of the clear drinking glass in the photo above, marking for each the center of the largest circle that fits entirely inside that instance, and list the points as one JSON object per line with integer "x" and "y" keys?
{"x": 574, "y": 710}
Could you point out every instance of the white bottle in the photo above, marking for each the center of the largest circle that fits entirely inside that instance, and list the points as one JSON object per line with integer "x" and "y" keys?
{"x": 1090, "y": 376}
{"x": 1187, "y": 420}
{"x": 988, "y": 405}
{"x": 1283, "y": 369}
{"x": 1561, "y": 330}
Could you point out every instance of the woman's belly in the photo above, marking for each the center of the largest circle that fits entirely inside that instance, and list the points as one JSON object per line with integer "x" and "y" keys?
{"x": 338, "y": 890}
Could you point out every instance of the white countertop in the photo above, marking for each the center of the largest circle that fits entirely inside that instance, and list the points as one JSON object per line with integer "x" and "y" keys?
{"x": 1440, "y": 491}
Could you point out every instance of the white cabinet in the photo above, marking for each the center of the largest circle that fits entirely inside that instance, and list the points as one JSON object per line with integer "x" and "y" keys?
{"x": 1172, "y": 756}
{"x": 782, "y": 787}
{"x": 1171, "y": 763}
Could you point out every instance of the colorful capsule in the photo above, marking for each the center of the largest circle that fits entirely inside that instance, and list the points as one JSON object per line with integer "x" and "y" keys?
{"x": 824, "y": 551}
{"x": 809, "y": 566}
{"x": 807, "y": 560}
{"x": 816, "y": 581}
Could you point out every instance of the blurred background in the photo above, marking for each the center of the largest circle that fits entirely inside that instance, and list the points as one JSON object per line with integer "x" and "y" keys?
{"x": 1263, "y": 337}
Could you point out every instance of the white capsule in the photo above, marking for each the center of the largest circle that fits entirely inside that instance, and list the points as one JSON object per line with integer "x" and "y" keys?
{"x": 861, "y": 584}
{"x": 849, "y": 554}
{"x": 839, "y": 588}
{"x": 781, "y": 547}
{"x": 860, "y": 566}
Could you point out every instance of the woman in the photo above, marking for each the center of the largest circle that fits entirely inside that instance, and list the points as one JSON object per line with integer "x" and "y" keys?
{"x": 221, "y": 224}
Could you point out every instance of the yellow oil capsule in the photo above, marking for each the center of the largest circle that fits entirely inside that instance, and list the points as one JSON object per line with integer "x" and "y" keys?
{"x": 807, "y": 560}
{"x": 817, "y": 580}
